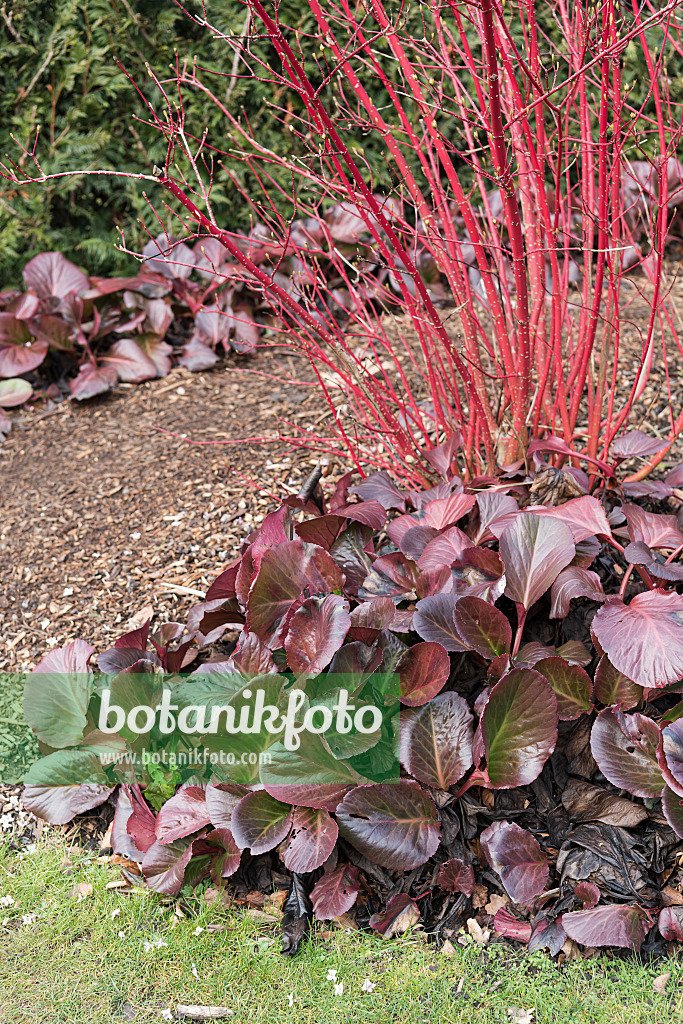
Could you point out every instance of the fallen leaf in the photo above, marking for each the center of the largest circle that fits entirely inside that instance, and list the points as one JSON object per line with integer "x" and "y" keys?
{"x": 518, "y": 1015}
{"x": 480, "y": 935}
{"x": 495, "y": 904}
{"x": 81, "y": 890}
{"x": 480, "y": 896}
{"x": 448, "y": 949}
{"x": 659, "y": 984}
{"x": 204, "y": 1012}
{"x": 140, "y": 618}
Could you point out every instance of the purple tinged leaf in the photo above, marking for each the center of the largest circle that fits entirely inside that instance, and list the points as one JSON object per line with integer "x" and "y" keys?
{"x": 518, "y": 728}
{"x": 93, "y": 380}
{"x": 517, "y": 858}
{"x": 588, "y": 893}
{"x": 436, "y": 741}
{"x": 534, "y": 550}
{"x": 391, "y": 575}
{"x": 625, "y": 749}
{"x": 636, "y": 444}
{"x": 132, "y": 365}
{"x": 221, "y": 801}
{"x": 224, "y": 585}
{"x": 674, "y": 477}
{"x": 316, "y": 632}
{"x": 423, "y": 670}
{"x": 638, "y": 553}
{"x": 25, "y": 306}
{"x": 547, "y": 934}
{"x": 166, "y": 256}
{"x": 392, "y": 824}
{"x": 226, "y": 860}
{"x": 652, "y": 529}
{"x": 441, "y": 457}
{"x": 17, "y": 359}
{"x": 505, "y": 924}
{"x": 197, "y": 355}
{"x": 456, "y": 876}
{"x": 64, "y": 784}
{"x": 312, "y": 840}
{"x": 370, "y": 618}
{"x": 283, "y": 573}
{"x": 122, "y": 844}
{"x": 57, "y": 693}
{"x": 497, "y": 511}
{"x": 584, "y": 802}
{"x": 400, "y": 914}
{"x": 644, "y": 639}
{"x": 335, "y": 893}
{"x": 370, "y": 513}
{"x": 141, "y": 823}
{"x": 672, "y": 807}
{"x": 611, "y": 925}
{"x": 434, "y": 621}
{"x": 482, "y": 627}
{"x": 584, "y": 516}
{"x": 380, "y": 487}
{"x": 415, "y": 540}
{"x": 13, "y": 392}
{"x": 613, "y": 687}
{"x": 135, "y": 638}
{"x": 672, "y": 753}
{"x": 574, "y": 582}
{"x": 445, "y": 549}
{"x": 164, "y": 866}
{"x": 252, "y": 657}
{"x": 571, "y": 685}
{"x": 670, "y": 924}
{"x": 186, "y": 812}
{"x": 259, "y": 822}
{"x": 51, "y": 274}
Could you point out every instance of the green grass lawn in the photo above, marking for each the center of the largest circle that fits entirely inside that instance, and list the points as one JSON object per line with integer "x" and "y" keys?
{"x": 68, "y": 960}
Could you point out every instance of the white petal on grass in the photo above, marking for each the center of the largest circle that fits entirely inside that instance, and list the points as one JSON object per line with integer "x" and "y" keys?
{"x": 331, "y": 975}
{"x": 7, "y": 901}
{"x": 368, "y": 986}
{"x": 195, "y": 971}
{"x": 116, "y": 913}
{"x": 339, "y": 989}
{"x": 167, "y": 1014}
{"x": 290, "y": 999}
{"x": 198, "y": 930}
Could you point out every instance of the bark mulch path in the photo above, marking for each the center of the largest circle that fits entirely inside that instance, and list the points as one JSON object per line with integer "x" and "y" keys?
{"x": 104, "y": 517}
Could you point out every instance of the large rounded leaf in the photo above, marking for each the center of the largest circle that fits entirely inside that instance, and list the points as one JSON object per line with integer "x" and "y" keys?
{"x": 316, "y": 632}
{"x": 436, "y": 740}
{"x": 93, "y": 380}
{"x": 613, "y": 925}
{"x": 283, "y": 573}
{"x": 226, "y": 860}
{"x": 517, "y": 857}
{"x": 259, "y": 822}
{"x": 434, "y": 621}
{"x": 625, "y": 749}
{"x": 392, "y": 824}
{"x": 644, "y": 639}
{"x": 164, "y": 865}
{"x": 423, "y": 670}
{"x": 14, "y": 392}
{"x": 221, "y": 801}
{"x": 482, "y": 627}
{"x": 584, "y": 516}
{"x": 653, "y": 529}
{"x": 313, "y": 838}
{"x": 186, "y": 812}
{"x": 574, "y": 582}
{"x": 612, "y": 687}
{"x": 57, "y": 694}
{"x": 64, "y": 784}
{"x": 534, "y": 549}
{"x": 130, "y": 362}
{"x": 16, "y": 359}
{"x": 51, "y": 274}
{"x": 309, "y": 776}
{"x": 456, "y": 876}
{"x": 335, "y": 893}
{"x": 571, "y": 684}
{"x": 518, "y": 728}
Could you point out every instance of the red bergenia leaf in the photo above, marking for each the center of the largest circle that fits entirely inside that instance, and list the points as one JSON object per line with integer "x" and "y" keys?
{"x": 252, "y": 657}
{"x": 497, "y": 511}
{"x": 670, "y": 924}
{"x": 197, "y": 355}
{"x": 547, "y": 934}
{"x": 504, "y": 923}
{"x": 284, "y": 572}
{"x": 636, "y": 444}
{"x": 316, "y": 631}
{"x": 612, "y": 687}
{"x": 400, "y": 913}
{"x": 534, "y": 551}
{"x": 380, "y": 487}
{"x": 392, "y": 824}
{"x": 517, "y": 857}
{"x": 13, "y": 392}
{"x": 644, "y": 639}
{"x": 584, "y": 516}
{"x": 571, "y": 685}
{"x": 259, "y": 822}
{"x": 132, "y": 365}
{"x": 518, "y": 728}
{"x": 456, "y": 876}
{"x": 164, "y": 866}
{"x": 482, "y": 627}
{"x": 574, "y": 582}
{"x": 312, "y": 840}
{"x": 18, "y": 359}
{"x": 335, "y": 893}
{"x": 370, "y": 618}
{"x": 444, "y": 549}
{"x": 226, "y": 860}
{"x": 221, "y": 801}
{"x": 186, "y": 812}
{"x": 588, "y": 893}
{"x": 625, "y": 749}
{"x": 93, "y": 380}
{"x": 141, "y": 824}
{"x": 672, "y": 752}
{"x": 434, "y": 621}
{"x": 423, "y": 670}
{"x": 51, "y": 274}
{"x": 612, "y": 925}
{"x": 436, "y": 740}
{"x": 654, "y": 530}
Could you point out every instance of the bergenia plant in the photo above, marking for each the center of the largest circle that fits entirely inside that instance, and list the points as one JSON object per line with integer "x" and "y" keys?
{"x": 522, "y": 650}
